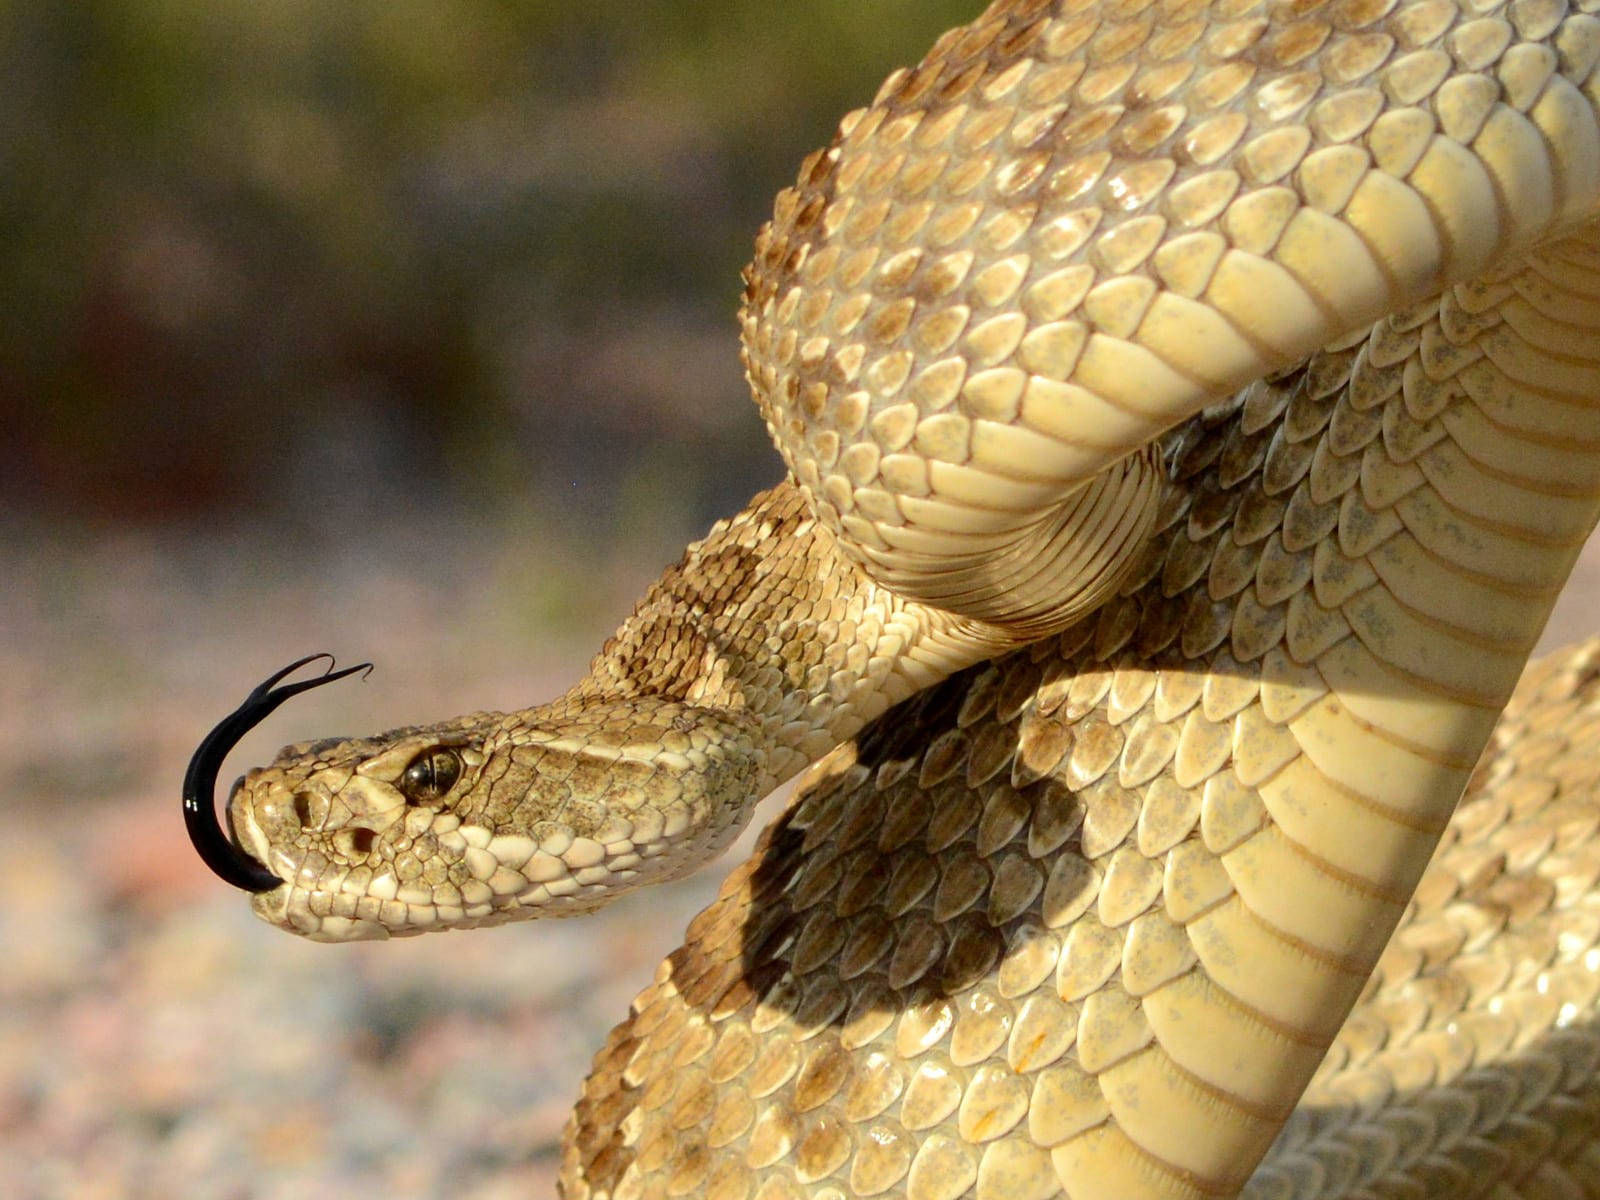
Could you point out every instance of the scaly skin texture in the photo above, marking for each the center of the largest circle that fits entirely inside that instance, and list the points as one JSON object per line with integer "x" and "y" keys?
{"x": 1085, "y": 920}
{"x": 1472, "y": 1065}
{"x": 1470, "y": 1069}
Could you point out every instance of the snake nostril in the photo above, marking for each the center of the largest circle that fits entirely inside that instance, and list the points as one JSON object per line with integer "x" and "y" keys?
{"x": 302, "y": 809}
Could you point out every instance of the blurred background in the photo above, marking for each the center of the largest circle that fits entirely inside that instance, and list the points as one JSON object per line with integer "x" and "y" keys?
{"x": 401, "y": 330}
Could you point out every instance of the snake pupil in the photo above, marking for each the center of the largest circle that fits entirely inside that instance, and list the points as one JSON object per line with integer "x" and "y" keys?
{"x": 431, "y": 774}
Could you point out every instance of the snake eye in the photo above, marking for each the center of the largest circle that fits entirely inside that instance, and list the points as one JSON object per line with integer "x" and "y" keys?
{"x": 430, "y": 775}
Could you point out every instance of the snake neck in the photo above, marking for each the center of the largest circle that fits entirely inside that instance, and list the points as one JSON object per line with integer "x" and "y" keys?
{"x": 765, "y": 628}
{"x": 760, "y": 651}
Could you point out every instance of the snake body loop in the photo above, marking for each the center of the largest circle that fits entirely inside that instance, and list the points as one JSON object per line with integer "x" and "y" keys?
{"x": 1217, "y": 385}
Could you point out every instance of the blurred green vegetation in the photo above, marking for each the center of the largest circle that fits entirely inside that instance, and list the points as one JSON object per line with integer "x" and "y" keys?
{"x": 358, "y": 259}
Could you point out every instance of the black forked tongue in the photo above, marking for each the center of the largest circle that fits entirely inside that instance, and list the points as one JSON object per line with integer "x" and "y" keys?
{"x": 219, "y": 852}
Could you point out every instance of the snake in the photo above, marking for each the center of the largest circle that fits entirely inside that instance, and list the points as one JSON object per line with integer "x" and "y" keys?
{"x": 1191, "y": 412}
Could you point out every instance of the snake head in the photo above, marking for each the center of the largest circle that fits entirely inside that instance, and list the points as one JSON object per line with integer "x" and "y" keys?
{"x": 475, "y": 821}
{"x": 322, "y": 832}
{"x": 367, "y": 834}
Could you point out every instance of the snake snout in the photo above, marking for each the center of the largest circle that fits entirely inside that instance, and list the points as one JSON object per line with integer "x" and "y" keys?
{"x": 222, "y": 853}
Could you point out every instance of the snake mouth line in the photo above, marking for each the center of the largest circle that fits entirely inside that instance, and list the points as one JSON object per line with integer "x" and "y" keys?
{"x": 227, "y": 859}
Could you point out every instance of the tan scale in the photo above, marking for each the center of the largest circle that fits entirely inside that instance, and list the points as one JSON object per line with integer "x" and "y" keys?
{"x": 1237, "y": 367}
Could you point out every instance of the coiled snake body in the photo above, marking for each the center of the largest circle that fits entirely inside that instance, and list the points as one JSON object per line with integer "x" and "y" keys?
{"x": 1238, "y": 362}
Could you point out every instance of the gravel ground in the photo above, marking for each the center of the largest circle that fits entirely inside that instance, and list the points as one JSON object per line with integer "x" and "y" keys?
{"x": 155, "y": 1039}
